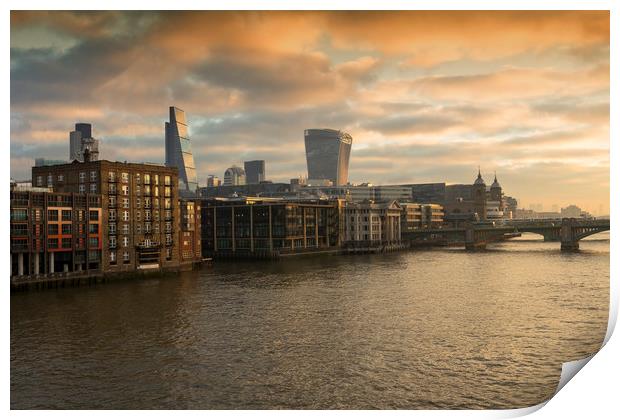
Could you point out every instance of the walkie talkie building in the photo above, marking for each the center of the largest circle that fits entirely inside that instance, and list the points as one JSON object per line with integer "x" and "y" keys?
{"x": 327, "y": 154}
{"x": 179, "y": 151}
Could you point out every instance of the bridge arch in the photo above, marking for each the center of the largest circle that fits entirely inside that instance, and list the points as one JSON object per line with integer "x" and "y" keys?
{"x": 591, "y": 232}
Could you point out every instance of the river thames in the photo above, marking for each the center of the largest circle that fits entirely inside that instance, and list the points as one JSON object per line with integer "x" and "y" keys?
{"x": 440, "y": 328}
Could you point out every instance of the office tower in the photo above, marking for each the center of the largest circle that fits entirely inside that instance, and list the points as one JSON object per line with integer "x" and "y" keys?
{"x": 254, "y": 171}
{"x": 213, "y": 181}
{"x": 327, "y": 155}
{"x": 179, "y": 151}
{"x": 234, "y": 176}
{"x": 80, "y": 140}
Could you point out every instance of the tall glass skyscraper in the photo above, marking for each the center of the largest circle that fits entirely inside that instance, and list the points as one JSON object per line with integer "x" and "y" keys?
{"x": 327, "y": 154}
{"x": 179, "y": 151}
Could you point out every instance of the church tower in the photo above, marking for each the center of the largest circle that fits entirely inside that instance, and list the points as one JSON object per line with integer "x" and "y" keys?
{"x": 496, "y": 190}
{"x": 479, "y": 196}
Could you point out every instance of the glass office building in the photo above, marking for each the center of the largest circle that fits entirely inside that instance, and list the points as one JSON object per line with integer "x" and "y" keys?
{"x": 179, "y": 151}
{"x": 327, "y": 155}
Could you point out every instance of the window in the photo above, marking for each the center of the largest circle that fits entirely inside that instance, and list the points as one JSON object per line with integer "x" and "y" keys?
{"x": 125, "y": 189}
{"x": 138, "y": 202}
{"x": 138, "y": 216}
{"x": 167, "y": 203}
{"x": 93, "y": 188}
{"x": 93, "y": 242}
{"x": 39, "y": 181}
{"x": 168, "y": 239}
{"x": 156, "y": 179}
{"x": 168, "y": 253}
{"x": 49, "y": 180}
{"x": 125, "y": 257}
{"x": 93, "y": 215}
{"x": 147, "y": 178}
{"x": 112, "y": 257}
{"x": 156, "y": 191}
{"x": 112, "y": 201}
{"x": 112, "y": 214}
{"x": 93, "y": 228}
{"x": 82, "y": 176}
{"x": 52, "y": 215}
{"x": 112, "y": 176}
{"x": 52, "y": 243}
{"x": 124, "y": 177}
{"x": 125, "y": 203}
{"x": 66, "y": 215}
{"x": 112, "y": 241}
{"x": 52, "y": 229}
{"x": 125, "y": 241}
{"x": 156, "y": 228}
{"x": 66, "y": 229}
{"x": 82, "y": 189}
{"x": 138, "y": 228}
{"x": 61, "y": 178}
{"x": 112, "y": 188}
{"x": 112, "y": 228}
{"x": 66, "y": 243}
{"x": 19, "y": 215}
{"x": 93, "y": 176}
{"x": 167, "y": 180}
{"x": 126, "y": 229}
{"x": 125, "y": 216}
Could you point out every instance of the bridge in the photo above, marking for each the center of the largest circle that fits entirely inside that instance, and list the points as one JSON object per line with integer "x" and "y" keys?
{"x": 567, "y": 231}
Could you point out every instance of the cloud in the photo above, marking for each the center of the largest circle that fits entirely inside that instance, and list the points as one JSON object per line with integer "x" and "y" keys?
{"x": 427, "y": 96}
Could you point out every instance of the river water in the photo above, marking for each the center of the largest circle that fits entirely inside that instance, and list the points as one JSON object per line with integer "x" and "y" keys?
{"x": 440, "y": 328}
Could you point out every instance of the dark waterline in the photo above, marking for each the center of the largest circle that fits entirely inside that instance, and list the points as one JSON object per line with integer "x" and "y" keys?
{"x": 423, "y": 329}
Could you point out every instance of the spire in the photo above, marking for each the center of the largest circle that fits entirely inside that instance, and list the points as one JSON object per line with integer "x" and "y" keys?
{"x": 479, "y": 180}
{"x": 495, "y": 180}
{"x": 495, "y": 183}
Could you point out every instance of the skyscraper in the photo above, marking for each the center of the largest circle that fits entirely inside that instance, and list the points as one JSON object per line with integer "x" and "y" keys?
{"x": 327, "y": 154}
{"x": 234, "y": 176}
{"x": 80, "y": 140}
{"x": 179, "y": 151}
{"x": 254, "y": 171}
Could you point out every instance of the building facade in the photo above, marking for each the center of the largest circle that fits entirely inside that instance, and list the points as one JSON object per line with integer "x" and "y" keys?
{"x": 327, "y": 155}
{"x": 370, "y": 224}
{"x": 80, "y": 141}
{"x": 421, "y": 216}
{"x": 179, "y": 151}
{"x": 213, "y": 181}
{"x": 54, "y": 232}
{"x": 190, "y": 249}
{"x": 234, "y": 176}
{"x": 139, "y": 209}
{"x": 260, "y": 226}
{"x": 254, "y": 171}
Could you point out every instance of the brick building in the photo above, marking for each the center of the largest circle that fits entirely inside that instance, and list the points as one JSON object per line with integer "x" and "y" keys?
{"x": 140, "y": 211}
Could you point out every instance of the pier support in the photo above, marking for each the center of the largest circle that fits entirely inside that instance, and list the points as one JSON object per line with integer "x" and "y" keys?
{"x": 20, "y": 264}
{"x": 471, "y": 244}
{"x": 36, "y": 264}
{"x": 567, "y": 235}
{"x": 51, "y": 262}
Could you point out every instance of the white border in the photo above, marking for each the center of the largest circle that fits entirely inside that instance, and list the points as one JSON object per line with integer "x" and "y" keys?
{"x": 592, "y": 394}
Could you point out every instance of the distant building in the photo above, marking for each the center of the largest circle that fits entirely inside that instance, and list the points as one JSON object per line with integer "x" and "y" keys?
{"x": 234, "y": 176}
{"x": 48, "y": 162}
{"x": 80, "y": 141}
{"x": 327, "y": 154}
{"x": 510, "y": 207}
{"x": 213, "y": 181}
{"x": 179, "y": 151}
{"x": 266, "y": 189}
{"x": 574, "y": 211}
{"x": 359, "y": 193}
{"x": 429, "y": 193}
{"x": 254, "y": 171}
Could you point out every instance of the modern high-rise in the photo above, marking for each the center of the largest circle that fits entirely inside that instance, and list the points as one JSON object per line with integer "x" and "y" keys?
{"x": 234, "y": 176}
{"x": 213, "y": 181}
{"x": 254, "y": 171}
{"x": 80, "y": 140}
{"x": 327, "y": 155}
{"x": 179, "y": 151}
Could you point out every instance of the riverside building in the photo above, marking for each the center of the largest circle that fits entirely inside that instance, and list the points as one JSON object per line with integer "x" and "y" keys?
{"x": 370, "y": 225}
{"x": 140, "y": 212}
{"x": 268, "y": 227}
{"x": 54, "y": 232}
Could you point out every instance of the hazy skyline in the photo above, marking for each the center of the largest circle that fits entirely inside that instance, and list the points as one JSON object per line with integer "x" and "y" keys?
{"x": 426, "y": 96}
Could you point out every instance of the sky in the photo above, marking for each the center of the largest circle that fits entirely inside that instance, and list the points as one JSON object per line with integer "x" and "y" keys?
{"x": 427, "y": 96}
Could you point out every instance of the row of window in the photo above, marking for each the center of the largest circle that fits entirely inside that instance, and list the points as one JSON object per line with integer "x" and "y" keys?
{"x": 124, "y": 241}
{"x": 66, "y": 243}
